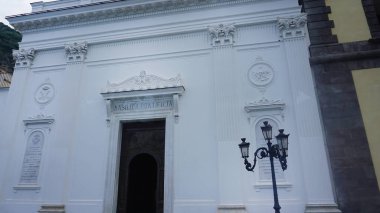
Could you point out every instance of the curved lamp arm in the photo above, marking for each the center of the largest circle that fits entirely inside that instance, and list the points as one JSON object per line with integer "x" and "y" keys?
{"x": 263, "y": 153}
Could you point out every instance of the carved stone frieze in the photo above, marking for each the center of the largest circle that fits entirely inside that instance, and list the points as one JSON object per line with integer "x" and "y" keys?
{"x": 109, "y": 13}
{"x": 143, "y": 82}
{"x": 222, "y": 34}
{"x": 292, "y": 27}
{"x": 76, "y": 52}
{"x": 265, "y": 106}
{"x": 24, "y": 58}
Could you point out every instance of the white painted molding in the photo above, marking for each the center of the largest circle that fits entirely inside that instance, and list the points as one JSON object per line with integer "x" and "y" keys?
{"x": 105, "y": 11}
{"x": 52, "y": 208}
{"x": 231, "y": 209}
{"x": 24, "y": 58}
{"x": 33, "y": 187}
{"x": 76, "y": 52}
{"x": 265, "y": 106}
{"x": 259, "y": 185}
{"x": 39, "y": 119}
{"x": 117, "y": 120}
{"x": 222, "y": 34}
{"x": 143, "y": 82}
{"x": 143, "y": 92}
{"x": 292, "y": 27}
{"x": 322, "y": 208}
{"x": 108, "y": 108}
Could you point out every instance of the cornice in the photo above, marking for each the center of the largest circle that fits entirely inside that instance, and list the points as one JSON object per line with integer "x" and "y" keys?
{"x": 115, "y": 10}
{"x": 143, "y": 82}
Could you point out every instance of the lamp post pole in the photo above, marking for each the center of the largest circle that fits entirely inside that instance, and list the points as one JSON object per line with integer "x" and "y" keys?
{"x": 276, "y": 206}
{"x": 279, "y": 151}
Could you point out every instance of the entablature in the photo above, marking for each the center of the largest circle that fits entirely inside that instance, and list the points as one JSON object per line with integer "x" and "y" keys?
{"x": 101, "y": 11}
{"x": 143, "y": 93}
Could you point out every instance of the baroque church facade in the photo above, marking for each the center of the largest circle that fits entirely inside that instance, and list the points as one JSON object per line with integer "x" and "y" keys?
{"x": 138, "y": 106}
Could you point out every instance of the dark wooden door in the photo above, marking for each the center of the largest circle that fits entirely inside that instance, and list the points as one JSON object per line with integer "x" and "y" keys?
{"x": 141, "y": 172}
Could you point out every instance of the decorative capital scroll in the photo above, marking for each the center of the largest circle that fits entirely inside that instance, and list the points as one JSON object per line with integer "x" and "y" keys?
{"x": 143, "y": 82}
{"x": 292, "y": 27}
{"x": 23, "y": 58}
{"x": 76, "y": 52}
{"x": 222, "y": 34}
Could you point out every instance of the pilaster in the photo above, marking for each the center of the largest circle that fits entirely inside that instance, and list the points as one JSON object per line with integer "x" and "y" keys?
{"x": 318, "y": 188}
{"x": 226, "y": 114}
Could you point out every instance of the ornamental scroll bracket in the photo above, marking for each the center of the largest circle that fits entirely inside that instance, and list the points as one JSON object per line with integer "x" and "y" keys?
{"x": 24, "y": 58}
{"x": 143, "y": 93}
{"x": 292, "y": 27}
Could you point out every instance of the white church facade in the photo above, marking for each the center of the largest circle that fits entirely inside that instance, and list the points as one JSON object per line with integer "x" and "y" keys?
{"x": 115, "y": 102}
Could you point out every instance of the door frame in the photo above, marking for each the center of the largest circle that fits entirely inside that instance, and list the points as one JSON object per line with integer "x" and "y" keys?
{"x": 113, "y": 160}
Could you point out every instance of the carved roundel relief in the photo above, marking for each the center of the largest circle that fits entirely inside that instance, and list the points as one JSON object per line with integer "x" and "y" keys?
{"x": 44, "y": 93}
{"x": 261, "y": 74}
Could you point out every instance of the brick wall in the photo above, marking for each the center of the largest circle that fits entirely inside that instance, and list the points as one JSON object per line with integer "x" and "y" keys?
{"x": 332, "y": 62}
{"x": 373, "y": 22}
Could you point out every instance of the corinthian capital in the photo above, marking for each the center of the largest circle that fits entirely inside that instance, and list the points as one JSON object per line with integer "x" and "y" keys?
{"x": 23, "y": 58}
{"x": 76, "y": 52}
{"x": 292, "y": 27}
{"x": 222, "y": 34}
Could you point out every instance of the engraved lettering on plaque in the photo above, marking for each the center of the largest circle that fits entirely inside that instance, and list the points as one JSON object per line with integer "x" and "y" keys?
{"x": 32, "y": 158}
{"x": 131, "y": 105}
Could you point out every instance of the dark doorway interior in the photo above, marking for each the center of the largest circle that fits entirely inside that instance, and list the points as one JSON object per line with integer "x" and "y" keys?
{"x": 141, "y": 172}
{"x": 142, "y": 183}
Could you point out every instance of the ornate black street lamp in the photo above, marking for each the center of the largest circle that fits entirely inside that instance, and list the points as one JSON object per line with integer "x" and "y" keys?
{"x": 279, "y": 151}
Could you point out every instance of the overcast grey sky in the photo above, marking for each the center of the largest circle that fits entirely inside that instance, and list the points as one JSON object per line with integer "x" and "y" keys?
{"x": 14, "y": 7}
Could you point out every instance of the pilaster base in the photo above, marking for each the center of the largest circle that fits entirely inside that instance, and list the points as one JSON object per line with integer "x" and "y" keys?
{"x": 231, "y": 209}
{"x": 48, "y": 208}
{"x": 322, "y": 208}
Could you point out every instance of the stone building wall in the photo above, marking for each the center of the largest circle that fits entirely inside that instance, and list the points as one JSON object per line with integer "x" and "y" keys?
{"x": 332, "y": 64}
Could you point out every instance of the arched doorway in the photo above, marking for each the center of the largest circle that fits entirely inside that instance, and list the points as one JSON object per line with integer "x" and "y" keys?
{"x": 141, "y": 171}
{"x": 142, "y": 184}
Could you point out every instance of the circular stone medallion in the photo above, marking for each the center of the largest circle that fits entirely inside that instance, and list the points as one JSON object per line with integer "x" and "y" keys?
{"x": 260, "y": 74}
{"x": 44, "y": 93}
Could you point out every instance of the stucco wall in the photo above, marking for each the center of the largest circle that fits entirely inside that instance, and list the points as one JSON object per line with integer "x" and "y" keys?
{"x": 367, "y": 84}
{"x": 350, "y": 23}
